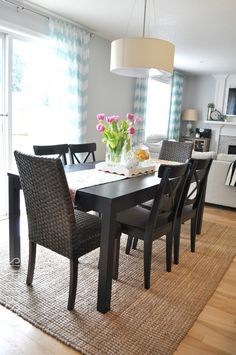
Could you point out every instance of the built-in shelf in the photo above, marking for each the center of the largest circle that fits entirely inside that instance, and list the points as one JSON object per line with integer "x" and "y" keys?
{"x": 221, "y": 123}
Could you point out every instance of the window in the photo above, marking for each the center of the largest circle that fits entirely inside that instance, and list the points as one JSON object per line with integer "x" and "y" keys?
{"x": 158, "y": 105}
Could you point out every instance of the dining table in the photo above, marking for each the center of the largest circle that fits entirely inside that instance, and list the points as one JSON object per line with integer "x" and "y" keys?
{"x": 107, "y": 199}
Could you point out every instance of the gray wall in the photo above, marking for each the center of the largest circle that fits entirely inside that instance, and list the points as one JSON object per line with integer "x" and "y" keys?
{"x": 198, "y": 92}
{"x": 107, "y": 93}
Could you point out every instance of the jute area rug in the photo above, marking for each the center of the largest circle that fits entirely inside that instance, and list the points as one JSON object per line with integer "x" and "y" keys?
{"x": 141, "y": 321}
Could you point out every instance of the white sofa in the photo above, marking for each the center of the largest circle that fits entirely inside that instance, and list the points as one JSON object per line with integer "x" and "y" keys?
{"x": 217, "y": 192}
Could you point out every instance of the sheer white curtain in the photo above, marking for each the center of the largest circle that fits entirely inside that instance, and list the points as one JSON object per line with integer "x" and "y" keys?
{"x": 69, "y": 67}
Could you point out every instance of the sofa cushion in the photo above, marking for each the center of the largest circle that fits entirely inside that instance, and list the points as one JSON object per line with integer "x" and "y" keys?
{"x": 203, "y": 155}
{"x": 226, "y": 157}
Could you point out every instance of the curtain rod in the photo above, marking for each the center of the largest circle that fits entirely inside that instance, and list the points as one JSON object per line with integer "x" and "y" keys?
{"x": 20, "y": 7}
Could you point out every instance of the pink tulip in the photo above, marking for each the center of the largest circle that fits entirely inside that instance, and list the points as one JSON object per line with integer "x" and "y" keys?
{"x": 116, "y": 118}
{"x": 100, "y": 116}
{"x": 131, "y": 130}
{"x": 100, "y": 127}
{"x": 109, "y": 119}
{"x": 138, "y": 120}
{"x": 129, "y": 116}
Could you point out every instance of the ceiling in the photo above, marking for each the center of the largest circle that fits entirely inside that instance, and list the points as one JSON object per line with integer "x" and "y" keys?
{"x": 203, "y": 31}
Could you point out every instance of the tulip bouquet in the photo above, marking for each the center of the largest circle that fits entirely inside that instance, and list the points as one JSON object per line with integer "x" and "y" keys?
{"x": 117, "y": 133}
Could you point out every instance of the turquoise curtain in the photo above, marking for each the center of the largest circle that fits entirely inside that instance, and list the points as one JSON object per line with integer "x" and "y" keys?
{"x": 140, "y": 104}
{"x": 175, "y": 105}
{"x": 69, "y": 53}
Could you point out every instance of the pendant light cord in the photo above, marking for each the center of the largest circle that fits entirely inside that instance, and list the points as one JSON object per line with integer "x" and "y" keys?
{"x": 144, "y": 17}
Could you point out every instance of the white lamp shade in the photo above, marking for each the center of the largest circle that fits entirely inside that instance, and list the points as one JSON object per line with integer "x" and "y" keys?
{"x": 190, "y": 115}
{"x": 142, "y": 57}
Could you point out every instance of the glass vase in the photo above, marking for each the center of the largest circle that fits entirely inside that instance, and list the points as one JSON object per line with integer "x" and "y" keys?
{"x": 113, "y": 156}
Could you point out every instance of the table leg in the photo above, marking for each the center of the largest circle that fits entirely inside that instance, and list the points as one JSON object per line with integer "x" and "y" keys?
{"x": 106, "y": 260}
{"x": 14, "y": 222}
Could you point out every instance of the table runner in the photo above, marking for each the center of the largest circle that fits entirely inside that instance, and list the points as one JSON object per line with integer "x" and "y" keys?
{"x": 85, "y": 178}
{"x": 90, "y": 177}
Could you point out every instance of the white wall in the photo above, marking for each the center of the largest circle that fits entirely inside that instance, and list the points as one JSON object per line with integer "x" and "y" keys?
{"x": 107, "y": 93}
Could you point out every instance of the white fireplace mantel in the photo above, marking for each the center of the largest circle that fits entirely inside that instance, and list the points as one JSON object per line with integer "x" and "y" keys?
{"x": 221, "y": 128}
{"x": 220, "y": 123}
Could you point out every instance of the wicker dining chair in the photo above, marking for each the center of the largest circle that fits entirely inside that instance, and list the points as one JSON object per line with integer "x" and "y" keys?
{"x": 176, "y": 151}
{"x": 149, "y": 225}
{"x": 59, "y": 150}
{"x": 52, "y": 220}
{"x": 77, "y": 149}
{"x": 191, "y": 201}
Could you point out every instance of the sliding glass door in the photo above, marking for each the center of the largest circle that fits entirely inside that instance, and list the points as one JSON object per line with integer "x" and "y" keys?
{"x": 3, "y": 127}
{"x": 23, "y": 101}
{"x": 29, "y": 92}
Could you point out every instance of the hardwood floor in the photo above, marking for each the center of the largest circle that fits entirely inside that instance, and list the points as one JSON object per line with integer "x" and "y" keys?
{"x": 214, "y": 332}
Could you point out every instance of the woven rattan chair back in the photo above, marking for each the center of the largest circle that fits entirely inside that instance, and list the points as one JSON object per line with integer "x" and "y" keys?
{"x": 176, "y": 151}
{"x": 49, "y": 206}
{"x": 52, "y": 220}
{"x": 59, "y": 150}
{"x": 75, "y": 151}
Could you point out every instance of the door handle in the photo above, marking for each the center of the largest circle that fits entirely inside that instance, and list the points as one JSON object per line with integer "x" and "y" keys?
{"x": 3, "y": 114}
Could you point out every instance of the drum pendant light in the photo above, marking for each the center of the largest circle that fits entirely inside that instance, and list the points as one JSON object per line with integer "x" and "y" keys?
{"x": 142, "y": 57}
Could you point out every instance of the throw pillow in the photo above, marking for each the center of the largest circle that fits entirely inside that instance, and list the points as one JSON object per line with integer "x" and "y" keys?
{"x": 226, "y": 157}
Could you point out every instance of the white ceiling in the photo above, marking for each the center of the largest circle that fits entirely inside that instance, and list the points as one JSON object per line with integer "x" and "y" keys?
{"x": 203, "y": 31}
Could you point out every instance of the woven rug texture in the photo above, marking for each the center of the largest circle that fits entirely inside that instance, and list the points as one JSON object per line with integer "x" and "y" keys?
{"x": 141, "y": 321}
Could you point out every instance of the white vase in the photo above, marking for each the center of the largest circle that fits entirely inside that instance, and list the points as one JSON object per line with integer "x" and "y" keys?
{"x": 209, "y": 111}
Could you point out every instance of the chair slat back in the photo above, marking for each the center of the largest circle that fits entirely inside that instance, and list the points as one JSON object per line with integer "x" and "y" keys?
{"x": 199, "y": 178}
{"x": 58, "y": 149}
{"x": 196, "y": 183}
{"x": 75, "y": 149}
{"x": 176, "y": 151}
{"x": 169, "y": 192}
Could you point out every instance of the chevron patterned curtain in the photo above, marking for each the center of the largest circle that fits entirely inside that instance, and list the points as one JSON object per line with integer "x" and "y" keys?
{"x": 175, "y": 105}
{"x": 140, "y": 104}
{"x": 69, "y": 50}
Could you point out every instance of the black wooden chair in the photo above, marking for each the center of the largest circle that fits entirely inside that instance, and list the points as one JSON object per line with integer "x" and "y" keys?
{"x": 52, "y": 220}
{"x": 59, "y": 150}
{"x": 191, "y": 202}
{"x": 149, "y": 225}
{"x": 75, "y": 149}
{"x": 176, "y": 151}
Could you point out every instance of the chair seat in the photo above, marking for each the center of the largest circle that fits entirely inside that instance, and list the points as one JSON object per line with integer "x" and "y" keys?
{"x": 134, "y": 221}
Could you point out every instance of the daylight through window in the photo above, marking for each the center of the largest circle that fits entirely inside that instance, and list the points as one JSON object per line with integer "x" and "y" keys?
{"x": 158, "y": 105}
